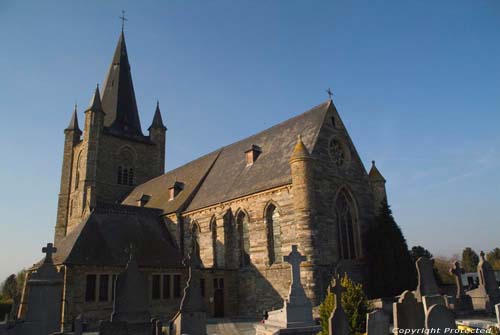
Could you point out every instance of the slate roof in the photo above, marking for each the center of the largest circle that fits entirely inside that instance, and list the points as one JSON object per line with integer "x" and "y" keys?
{"x": 224, "y": 175}
{"x": 103, "y": 238}
{"x": 118, "y": 96}
{"x": 190, "y": 175}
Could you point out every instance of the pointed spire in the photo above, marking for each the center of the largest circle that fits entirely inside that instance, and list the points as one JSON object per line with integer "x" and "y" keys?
{"x": 73, "y": 123}
{"x": 300, "y": 151}
{"x": 95, "y": 103}
{"x": 157, "y": 120}
{"x": 375, "y": 174}
{"x": 118, "y": 97}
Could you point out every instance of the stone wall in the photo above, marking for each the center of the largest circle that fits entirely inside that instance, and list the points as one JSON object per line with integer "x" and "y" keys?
{"x": 74, "y": 302}
{"x": 85, "y": 187}
{"x": 260, "y": 285}
{"x": 330, "y": 180}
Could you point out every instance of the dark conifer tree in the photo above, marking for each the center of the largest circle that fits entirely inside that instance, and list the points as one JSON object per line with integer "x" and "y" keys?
{"x": 390, "y": 266}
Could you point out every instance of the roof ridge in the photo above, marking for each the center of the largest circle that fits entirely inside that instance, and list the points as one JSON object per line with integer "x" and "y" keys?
{"x": 279, "y": 124}
{"x": 243, "y": 139}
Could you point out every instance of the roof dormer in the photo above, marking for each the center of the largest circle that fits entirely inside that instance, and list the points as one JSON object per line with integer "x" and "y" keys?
{"x": 174, "y": 190}
{"x": 252, "y": 154}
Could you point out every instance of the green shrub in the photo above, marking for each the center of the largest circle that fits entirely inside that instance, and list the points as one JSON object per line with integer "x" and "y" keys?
{"x": 355, "y": 305}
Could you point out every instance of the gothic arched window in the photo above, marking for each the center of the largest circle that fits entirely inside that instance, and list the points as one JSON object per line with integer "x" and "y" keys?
{"x": 243, "y": 239}
{"x": 195, "y": 239}
{"x": 125, "y": 170}
{"x": 344, "y": 213}
{"x": 273, "y": 234}
{"x": 213, "y": 232}
{"x": 231, "y": 253}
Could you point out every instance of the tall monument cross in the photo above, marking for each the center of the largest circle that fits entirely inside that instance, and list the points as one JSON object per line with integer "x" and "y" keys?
{"x": 295, "y": 258}
{"x": 49, "y": 250}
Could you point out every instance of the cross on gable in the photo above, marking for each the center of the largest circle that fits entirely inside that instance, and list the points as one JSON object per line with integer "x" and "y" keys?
{"x": 329, "y": 92}
{"x": 123, "y": 18}
{"x": 49, "y": 250}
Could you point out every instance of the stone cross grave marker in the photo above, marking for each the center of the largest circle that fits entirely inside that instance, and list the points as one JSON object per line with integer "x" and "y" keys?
{"x": 377, "y": 323}
{"x": 439, "y": 318}
{"x": 295, "y": 258}
{"x": 408, "y": 313}
{"x": 338, "y": 323}
{"x": 457, "y": 272}
{"x": 48, "y": 251}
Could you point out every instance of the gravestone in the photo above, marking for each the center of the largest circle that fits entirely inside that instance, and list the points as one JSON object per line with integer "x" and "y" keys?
{"x": 487, "y": 295}
{"x": 431, "y": 300}
{"x": 463, "y": 303}
{"x": 426, "y": 280}
{"x": 296, "y": 314}
{"x": 158, "y": 327}
{"x": 377, "y": 323}
{"x": 131, "y": 304}
{"x": 497, "y": 311}
{"x": 44, "y": 291}
{"x": 408, "y": 313}
{"x": 191, "y": 318}
{"x": 439, "y": 319}
{"x": 338, "y": 323}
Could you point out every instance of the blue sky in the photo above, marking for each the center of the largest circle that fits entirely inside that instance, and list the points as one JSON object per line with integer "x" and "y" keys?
{"x": 416, "y": 83}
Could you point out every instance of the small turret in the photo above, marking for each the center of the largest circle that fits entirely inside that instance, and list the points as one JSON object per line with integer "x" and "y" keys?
{"x": 73, "y": 123}
{"x": 301, "y": 164}
{"x": 72, "y": 135}
{"x": 95, "y": 103}
{"x": 157, "y": 119}
{"x": 157, "y": 134}
{"x": 377, "y": 182}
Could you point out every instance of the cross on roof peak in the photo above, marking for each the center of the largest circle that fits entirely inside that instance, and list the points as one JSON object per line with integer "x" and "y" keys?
{"x": 329, "y": 92}
{"x": 123, "y": 18}
{"x": 49, "y": 250}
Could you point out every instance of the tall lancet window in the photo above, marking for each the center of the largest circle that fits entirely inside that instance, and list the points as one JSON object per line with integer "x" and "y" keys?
{"x": 273, "y": 235}
{"x": 344, "y": 212}
{"x": 195, "y": 239}
{"x": 213, "y": 232}
{"x": 244, "y": 242}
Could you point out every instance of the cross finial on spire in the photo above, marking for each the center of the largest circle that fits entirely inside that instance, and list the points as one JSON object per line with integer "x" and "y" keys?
{"x": 123, "y": 18}
{"x": 329, "y": 92}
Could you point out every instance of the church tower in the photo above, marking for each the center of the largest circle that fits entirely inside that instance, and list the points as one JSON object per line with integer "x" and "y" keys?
{"x": 113, "y": 155}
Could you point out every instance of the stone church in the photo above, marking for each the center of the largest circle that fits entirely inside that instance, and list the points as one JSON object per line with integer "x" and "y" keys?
{"x": 241, "y": 207}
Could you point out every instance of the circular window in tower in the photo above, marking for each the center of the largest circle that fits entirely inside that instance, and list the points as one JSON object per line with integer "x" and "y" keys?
{"x": 338, "y": 153}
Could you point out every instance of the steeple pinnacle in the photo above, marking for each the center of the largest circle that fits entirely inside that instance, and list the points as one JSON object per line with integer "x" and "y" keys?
{"x": 157, "y": 120}
{"x": 118, "y": 97}
{"x": 375, "y": 174}
{"x": 95, "y": 103}
{"x": 73, "y": 123}
{"x": 300, "y": 151}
